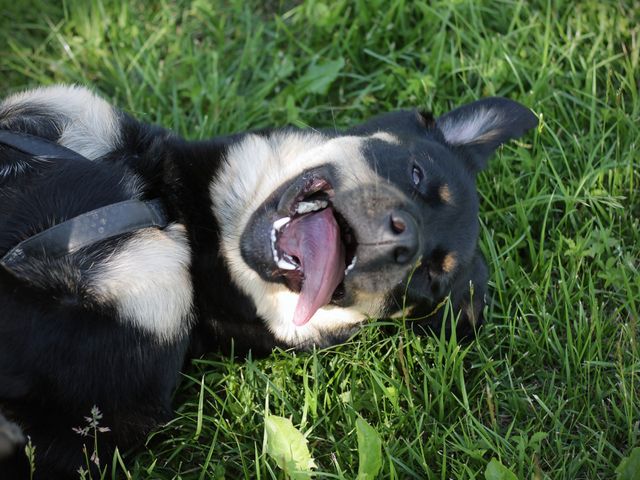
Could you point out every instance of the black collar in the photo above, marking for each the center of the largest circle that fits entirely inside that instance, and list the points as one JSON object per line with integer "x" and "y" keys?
{"x": 85, "y": 229}
{"x": 38, "y": 146}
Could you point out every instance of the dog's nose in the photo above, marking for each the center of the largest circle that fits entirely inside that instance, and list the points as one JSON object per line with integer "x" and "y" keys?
{"x": 403, "y": 234}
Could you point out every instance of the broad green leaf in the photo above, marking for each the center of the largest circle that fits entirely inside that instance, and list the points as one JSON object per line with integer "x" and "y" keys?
{"x": 288, "y": 447}
{"x": 537, "y": 438}
{"x": 319, "y": 77}
{"x": 369, "y": 450}
{"x": 629, "y": 468}
{"x": 496, "y": 471}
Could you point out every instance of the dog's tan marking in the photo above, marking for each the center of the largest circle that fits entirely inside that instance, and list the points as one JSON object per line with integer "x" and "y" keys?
{"x": 445, "y": 194}
{"x": 449, "y": 262}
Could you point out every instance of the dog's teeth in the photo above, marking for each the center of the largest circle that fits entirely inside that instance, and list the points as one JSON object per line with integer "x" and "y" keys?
{"x": 290, "y": 259}
{"x": 306, "y": 207}
{"x": 274, "y": 251}
{"x": 351, "y": 265}
{"x": 287, "y": 262}
{"x": 284, "y": 265}
{"x": 276, "y": 227}
{"x": 281, "y": 222}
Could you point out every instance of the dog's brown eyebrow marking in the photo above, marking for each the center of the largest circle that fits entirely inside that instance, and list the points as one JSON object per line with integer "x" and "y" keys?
{"x": 449, "y": 262}
{"x": 445, "y": 193}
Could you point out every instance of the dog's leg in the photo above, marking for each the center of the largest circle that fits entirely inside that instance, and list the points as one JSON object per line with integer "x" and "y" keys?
{"x": 467, "y": 300}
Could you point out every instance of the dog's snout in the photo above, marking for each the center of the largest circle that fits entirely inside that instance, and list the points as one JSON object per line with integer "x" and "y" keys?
{"x": 388, "y": 229}
{"x": 403, "y": 233}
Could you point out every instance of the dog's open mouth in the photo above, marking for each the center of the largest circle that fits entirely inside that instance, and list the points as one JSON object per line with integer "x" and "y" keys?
{"x": 313, "y": 246}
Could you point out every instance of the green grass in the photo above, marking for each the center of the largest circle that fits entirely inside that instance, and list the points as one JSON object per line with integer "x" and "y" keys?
{"x": 551, "y": 386}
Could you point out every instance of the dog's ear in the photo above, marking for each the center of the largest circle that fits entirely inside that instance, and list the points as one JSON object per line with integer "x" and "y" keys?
{"x": 480, "y": 127}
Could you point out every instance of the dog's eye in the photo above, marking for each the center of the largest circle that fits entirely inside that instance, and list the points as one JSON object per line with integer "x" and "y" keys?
{"x": 416, "y": 175}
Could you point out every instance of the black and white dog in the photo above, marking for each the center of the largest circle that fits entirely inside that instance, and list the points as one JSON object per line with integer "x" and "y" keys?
{"x": 124, "y": 246}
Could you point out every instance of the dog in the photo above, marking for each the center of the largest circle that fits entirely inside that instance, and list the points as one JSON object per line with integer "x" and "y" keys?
{"x": 125, "y": 249}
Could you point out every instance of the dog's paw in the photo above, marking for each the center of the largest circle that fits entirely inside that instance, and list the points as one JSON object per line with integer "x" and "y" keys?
{"x": 11, "y": 438}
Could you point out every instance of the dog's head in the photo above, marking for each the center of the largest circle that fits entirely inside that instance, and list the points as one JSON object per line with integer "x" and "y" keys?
{"x": 323, "y": 230}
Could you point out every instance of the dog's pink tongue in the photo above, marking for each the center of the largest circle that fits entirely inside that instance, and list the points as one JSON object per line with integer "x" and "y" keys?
{"x": 315, "y": 239}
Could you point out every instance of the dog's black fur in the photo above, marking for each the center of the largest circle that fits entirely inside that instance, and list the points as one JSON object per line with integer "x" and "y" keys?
{"x": 110, "y": 324}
